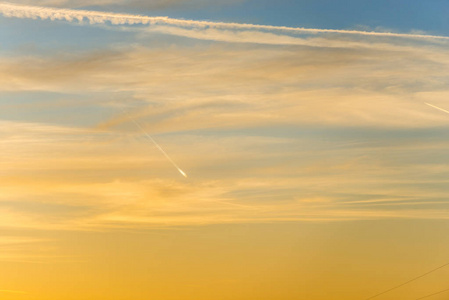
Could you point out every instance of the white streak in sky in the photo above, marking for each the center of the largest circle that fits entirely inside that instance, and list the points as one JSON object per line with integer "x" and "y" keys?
{"x": 437, "y": 107}
{"x": 97, "y": 17}
{"x": 157, "y": 145}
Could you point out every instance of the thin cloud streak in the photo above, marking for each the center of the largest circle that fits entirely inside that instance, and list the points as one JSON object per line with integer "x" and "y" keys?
{"x": 439, "y": 108}
{"x": 267, "y": 38}
{"x": 97, "y": 17}
{"x": 157, "y": 146}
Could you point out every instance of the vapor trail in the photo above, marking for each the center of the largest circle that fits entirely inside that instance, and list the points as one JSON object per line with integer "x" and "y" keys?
{"x": 96, "y": 17}
{"x": 407, "y": 282}
{"x": 437, "y": 107}
{"x": 434, "y": 294}
{"x": 157, "y": 145}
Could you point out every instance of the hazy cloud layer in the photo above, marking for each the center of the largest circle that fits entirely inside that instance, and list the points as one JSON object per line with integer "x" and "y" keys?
{"x": 270, "y": 127}
{"x": 249, "y": 86}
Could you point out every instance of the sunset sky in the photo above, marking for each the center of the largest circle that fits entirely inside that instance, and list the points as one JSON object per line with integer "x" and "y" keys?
{"x": 314, "y": 135}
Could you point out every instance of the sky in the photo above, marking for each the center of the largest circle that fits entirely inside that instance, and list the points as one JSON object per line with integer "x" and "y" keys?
{"x": 202, "y": 149}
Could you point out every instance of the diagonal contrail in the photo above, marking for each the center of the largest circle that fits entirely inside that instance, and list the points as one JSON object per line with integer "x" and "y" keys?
{"x": 439, "y": 108}
{"x": 407, "y": 282}
{"x": 98, "y": 17}
{"x": 434, "y": 294}
{"x": 156, "y": 144}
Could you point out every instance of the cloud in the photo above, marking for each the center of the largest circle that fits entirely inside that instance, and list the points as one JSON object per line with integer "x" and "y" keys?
{"x": 270, "y": 126}
{"x": 250, "y": 178}
{"x": 96, "y": 17}
{"x": 269, "y": 38}
{"x": 153, "y": 4}
{"x": 179, "y": 88}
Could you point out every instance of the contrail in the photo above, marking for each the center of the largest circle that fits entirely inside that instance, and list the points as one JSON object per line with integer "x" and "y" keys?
{"x": 98, "y": 17}
{"x": 156, "y": 144}
{"x": 407, "y": 282}
{"x": 437, "y": 107}
{"x": 434, "y": 294}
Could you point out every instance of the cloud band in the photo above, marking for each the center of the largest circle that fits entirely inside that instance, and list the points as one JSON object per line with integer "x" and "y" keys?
{"x": 97, "y": 17}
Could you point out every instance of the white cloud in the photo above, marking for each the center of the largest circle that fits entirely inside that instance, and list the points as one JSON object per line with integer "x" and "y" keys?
{"x": 96, "y": 17}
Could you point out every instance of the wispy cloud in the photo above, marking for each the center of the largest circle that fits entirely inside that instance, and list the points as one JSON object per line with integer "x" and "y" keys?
{"x": 97, "y": 17}
{"x": 276, "y": 127}
{"x": 246, "y": 179}
{"x": 239, "y": 85}
{"x": 153, "y": 4}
